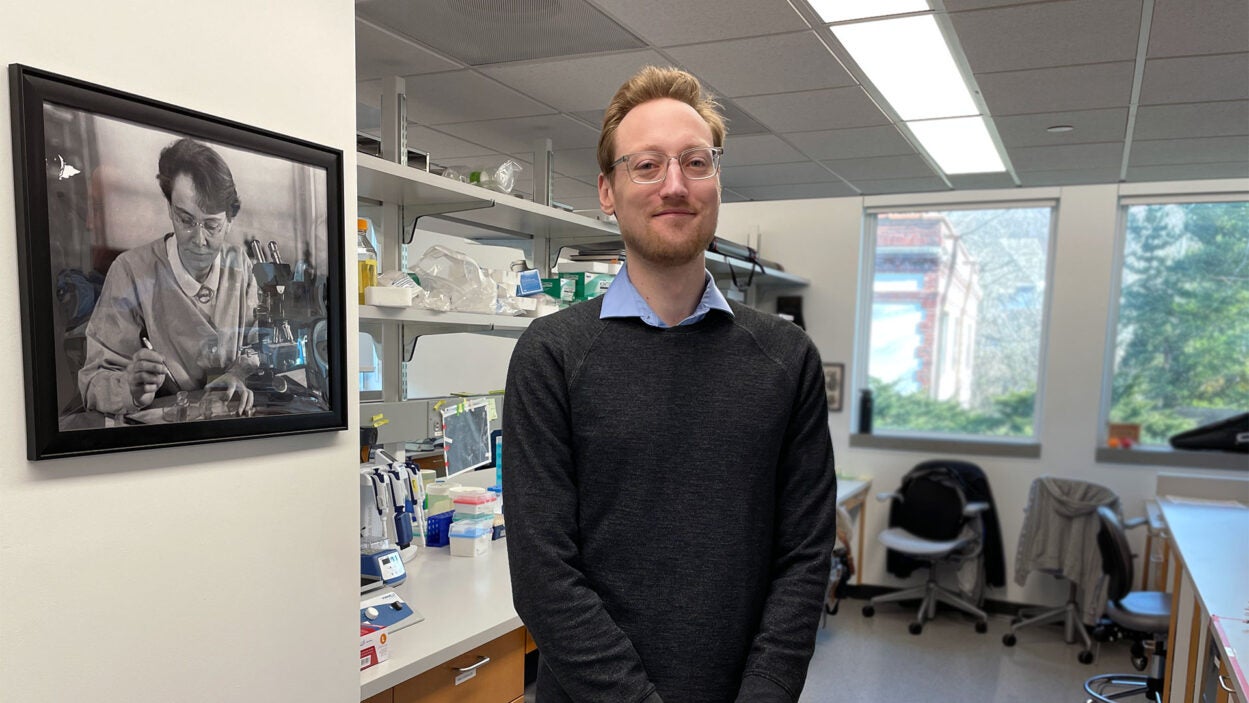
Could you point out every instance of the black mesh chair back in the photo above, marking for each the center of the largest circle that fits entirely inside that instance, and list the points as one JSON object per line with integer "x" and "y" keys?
{"x": 1116, "y": 554}
{"x": 932, "y": 506}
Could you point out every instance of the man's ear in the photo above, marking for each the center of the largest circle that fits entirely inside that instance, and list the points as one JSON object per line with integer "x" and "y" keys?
{"x": 606, "y": 198}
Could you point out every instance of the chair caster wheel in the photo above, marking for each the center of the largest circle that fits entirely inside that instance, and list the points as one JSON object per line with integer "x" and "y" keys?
{"x": 869, "y": 611}
{"x": 1085, "y": 657}
{"x": 1139, "y": 663}
{"x": 982, "y": 627}
{"x": 915, "y": 628}
{"x": 1008, "y": 639}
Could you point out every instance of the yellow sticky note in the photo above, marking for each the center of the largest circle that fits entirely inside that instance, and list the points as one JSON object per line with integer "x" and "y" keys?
{"x": 492, "y": 410}
{"x": 379, "y": 416}
{"x": 379, "y": 423}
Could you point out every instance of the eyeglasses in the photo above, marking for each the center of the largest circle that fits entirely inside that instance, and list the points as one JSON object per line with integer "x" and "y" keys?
{"x": 697, "y": 163}
{"x": 213, "y": 226}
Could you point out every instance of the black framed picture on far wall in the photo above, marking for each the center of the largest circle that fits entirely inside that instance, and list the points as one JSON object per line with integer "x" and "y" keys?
{"x": 182, "y": 275}
{"x": 834, "y": 375}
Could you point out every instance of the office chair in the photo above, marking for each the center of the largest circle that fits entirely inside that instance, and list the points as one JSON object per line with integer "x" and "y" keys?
{"x": 1144, "y": 615}
{"x": 936, "y": 525}
{"x": 1059, "y": 538}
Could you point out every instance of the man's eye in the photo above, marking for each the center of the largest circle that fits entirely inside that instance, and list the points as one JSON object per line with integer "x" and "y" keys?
{"x": 645, "y": 165}
{"x": 696, "y": 162}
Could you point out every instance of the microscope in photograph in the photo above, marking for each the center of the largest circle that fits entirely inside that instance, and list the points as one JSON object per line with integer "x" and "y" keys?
{"x": 290, "y": 327}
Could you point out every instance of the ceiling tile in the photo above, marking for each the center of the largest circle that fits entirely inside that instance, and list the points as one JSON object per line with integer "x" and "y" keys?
{"x": 666, "y": 23}
{"x": 1177, "y": 172}
{"x": 1193, "y": 120}
{"x": 380, "y": 53}
{"x": 759, "y": 149}
{"x": 1186, "y": 27}
{"x": 1057, "y": 89}
{"x": 963, "y": 5}
{"x": 815, "y": 110}
{"x": 571, "y": 85}
{"x": 480, "y": 33}
{"x": 578, "y": 163}
{"x": 736, "y": 67}
{"x": 797, "y": 191}
{"x": 593, "y": 118}
{"x": 464, "y": 96}
{"x": 973, "y": 181}
{"x": 880, "y": 168}
{"x": 1196, "y": 78}
{"x": 518, "y": 135}
{"x": 1090, "y": 126}
{"x": 1069, "y": 177}
{"x": 776, "y": 174}
{"x": 442, "y": 147}
{"x": 1189, "y": 151}
{"x": 1049, "y": 34}
{"x": 1070, "y": 157}
{"x": 739, "y": 122}
{"x": 851, "y": 143}
{"x": 901, "y": 185}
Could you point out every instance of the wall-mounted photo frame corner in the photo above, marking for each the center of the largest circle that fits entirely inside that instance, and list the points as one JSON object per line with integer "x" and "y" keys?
{"x": 181, "y": 274}
{"x": 834, "y": 385}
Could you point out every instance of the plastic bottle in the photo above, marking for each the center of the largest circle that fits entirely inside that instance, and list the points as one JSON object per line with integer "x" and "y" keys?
{"x": 366, "y": 256}
{"x": 865, "y": 411}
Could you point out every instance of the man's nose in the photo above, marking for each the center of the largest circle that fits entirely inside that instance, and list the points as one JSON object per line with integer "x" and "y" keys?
{"x": 674, "y": 185}
{"x": 201, "y": 234}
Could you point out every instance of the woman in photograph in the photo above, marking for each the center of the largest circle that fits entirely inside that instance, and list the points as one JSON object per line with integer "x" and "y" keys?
{"x": 177, "y": 313}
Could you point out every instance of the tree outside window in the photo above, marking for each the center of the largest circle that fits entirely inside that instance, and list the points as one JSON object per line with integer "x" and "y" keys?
{"x": 1181, "y": 352}
{"x": 957, "y": 315}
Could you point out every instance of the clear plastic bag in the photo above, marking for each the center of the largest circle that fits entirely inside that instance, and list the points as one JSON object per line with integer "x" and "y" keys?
{"x": 453, "y": 281}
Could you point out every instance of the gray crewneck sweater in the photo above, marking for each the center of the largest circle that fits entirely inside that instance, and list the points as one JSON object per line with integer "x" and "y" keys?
{"x": 670, "y": 505}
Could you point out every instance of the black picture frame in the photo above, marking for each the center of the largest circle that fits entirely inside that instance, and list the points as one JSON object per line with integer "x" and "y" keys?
{"x": 85, "y": 165}
{"x": 834, "y": 385}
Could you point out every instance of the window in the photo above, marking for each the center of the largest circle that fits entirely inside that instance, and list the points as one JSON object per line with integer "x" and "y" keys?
{"x": 957, "y": 318}
{"x": 1181, "y": 346}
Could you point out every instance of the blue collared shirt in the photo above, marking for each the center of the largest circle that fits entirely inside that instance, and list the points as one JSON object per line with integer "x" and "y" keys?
{"x": 623, "y": 300}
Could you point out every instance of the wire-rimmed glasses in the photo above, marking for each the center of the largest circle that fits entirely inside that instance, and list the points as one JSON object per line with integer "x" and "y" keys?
{"x": 697, "y": 164}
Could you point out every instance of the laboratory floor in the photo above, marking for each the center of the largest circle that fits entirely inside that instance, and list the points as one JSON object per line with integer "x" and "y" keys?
{"x": 876, "y": 659}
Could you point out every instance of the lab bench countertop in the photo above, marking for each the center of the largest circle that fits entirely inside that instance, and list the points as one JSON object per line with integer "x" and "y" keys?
{"x": 466, "y": 601}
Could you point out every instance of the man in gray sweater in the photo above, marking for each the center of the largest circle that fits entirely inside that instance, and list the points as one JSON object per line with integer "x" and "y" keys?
{"x": 669, "y": 484}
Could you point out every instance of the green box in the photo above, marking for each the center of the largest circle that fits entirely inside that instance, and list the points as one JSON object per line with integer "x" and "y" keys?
{"x": 588, "y": 285}
{"x": 560, "y": 288}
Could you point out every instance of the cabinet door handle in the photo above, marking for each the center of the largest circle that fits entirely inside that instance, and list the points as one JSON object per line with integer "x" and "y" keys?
{"x": 1223, "y": 685}
{"x": 481, "y": 661}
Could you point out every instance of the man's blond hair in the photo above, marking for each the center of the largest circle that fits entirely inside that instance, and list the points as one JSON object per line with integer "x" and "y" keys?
{"x": 653, "y": 83}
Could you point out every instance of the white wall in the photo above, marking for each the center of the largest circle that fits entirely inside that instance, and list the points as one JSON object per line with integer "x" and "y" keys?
{"x": 820, "y": 240}
{"x": 213, "y": 573}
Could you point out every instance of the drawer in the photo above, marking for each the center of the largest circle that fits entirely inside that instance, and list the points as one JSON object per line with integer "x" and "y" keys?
{"x": 500, "y": 680}
{"x": 387, "y": 696}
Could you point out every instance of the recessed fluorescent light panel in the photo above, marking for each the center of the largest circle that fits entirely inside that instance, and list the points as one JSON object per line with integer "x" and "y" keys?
{"x": 843, "y": 10}
{"x": 959, "y": 145}
{"x": 909, "y": 62}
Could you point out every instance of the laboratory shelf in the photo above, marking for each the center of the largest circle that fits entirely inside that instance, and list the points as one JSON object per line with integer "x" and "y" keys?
{"x": 424, "y": 194}
{"x": 720, "y": 266}
{"x": 422, "y": 321}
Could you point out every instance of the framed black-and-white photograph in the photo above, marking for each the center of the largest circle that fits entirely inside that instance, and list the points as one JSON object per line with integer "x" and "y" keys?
{"x": 834, "y": 373}
{"x": 181, "y": 274}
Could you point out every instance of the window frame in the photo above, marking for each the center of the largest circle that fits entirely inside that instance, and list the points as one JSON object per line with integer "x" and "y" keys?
{"x": 1148, "y": 454}
{"x": 912, "y": 440}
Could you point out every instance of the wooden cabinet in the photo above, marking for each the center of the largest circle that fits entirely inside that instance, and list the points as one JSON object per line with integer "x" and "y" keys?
{"x": 387, "y": 696}
{"x": 498, "y": 676}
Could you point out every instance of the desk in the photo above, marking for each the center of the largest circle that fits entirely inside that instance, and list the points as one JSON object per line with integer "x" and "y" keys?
{"x": 466, "y": 602}
{"x": 1208, "y": 540}
{"x": 851, "y": 494}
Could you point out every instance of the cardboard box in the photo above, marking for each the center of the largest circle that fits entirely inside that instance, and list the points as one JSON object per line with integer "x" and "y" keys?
{"x": 589, "y": 267}
{"x": 374, "y": 647}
